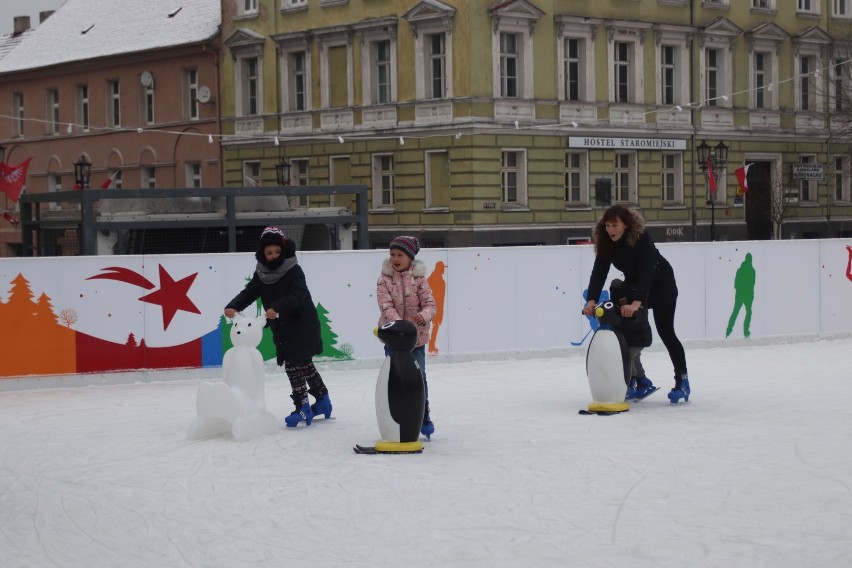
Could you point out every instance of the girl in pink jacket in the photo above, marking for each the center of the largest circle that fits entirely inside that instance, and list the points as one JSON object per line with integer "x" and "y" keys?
{"x": 403, "y": 293}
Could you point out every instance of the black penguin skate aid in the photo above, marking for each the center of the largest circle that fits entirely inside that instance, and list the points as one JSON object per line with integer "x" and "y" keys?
{"x": 607, "y": 363}
{"x": 400, "y": 393}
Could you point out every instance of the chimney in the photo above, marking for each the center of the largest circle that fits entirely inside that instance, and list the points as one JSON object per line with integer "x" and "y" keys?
{"x": 42, "y": 16}
{"x": 22, "y": 24}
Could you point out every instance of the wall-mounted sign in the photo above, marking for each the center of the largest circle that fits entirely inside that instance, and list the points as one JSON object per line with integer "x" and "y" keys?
{"x": 607, "y": 143}
{"x": 808, "y": 171}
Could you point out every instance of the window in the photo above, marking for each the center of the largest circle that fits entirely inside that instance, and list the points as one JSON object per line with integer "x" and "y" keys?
{"x": 437, "y": 65}
{"x": 668, "y": 74}
{"x": 191, "y": 77}
{"x": 250, "y": 86}
{"x": 382, "y": 59}
{"x": 573, "y": 68}
{"x": 437, "y": 180}
{"x": 54, "y": 184}
{"x": 841, "y": 179}
{"x": 807, "y": 188}
{"x": 808, "y": 6}
{"x": 18, "y": 110}
{"x": 248, "y": 6}
{"x": 712, "y": 76}
{"x": 576, "y": 178}
{"x": 193, "y": 174}
{"x": 379, "y": 63}
{"x": 251, "y": 174}
{"x": 806, "y": 83}
{"x": 839, "y": 84}
{"x": 299, "y": 81}
{"x": 299, "y": 175}
{"x": 52, "y": 111}
{"x": 764, "y": 4}
{"x": 672, "y": 179}
{"x": 383, "y": 196}
{"x": 149, "y": 177}
{"x": 842, "y": 8}
{"x": 625, "y": 64}
{"x": 83, "y": 107}
{"x": 115, "y": 179}
{"x": 761, "y": 77}
{"x": 148, "y": 104}
{"x": 513, "y": 181}
{"x": 114, "y": 103}
{"x": 432, "y": 25}
{"x": 508, "y": 65}
{"x": 624, "y": 175}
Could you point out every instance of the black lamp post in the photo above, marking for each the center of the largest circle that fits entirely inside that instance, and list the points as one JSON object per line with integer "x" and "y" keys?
{"x": 82, "y": 172}
{"x": 282, "y": 172}
{"x": 712, "y": 161}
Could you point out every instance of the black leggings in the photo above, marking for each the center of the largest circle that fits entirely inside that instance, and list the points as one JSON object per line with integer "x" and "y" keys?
{"x": 664, "y": 316}
{"x": 304, "y": 378}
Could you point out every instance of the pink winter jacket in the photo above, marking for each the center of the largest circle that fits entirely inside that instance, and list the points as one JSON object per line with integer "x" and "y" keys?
{"x": 403, "y": 294}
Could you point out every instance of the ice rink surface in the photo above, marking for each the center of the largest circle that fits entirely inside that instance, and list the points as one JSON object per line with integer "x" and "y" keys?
{"x": 755, "y": 471}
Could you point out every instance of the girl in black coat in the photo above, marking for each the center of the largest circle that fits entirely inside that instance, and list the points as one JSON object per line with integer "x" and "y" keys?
{"x": 621, "y": 241}
{"x": 280, "y": 284}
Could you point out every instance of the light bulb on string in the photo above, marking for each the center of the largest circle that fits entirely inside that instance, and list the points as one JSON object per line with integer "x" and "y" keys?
{"x": 340, "y": 139}
{"x": 209, "y": 138}
{"x": 276, "y": 141}
{"x": 401, "y": 141}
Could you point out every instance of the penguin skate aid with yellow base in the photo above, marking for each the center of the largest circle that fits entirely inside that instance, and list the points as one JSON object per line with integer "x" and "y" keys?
{"x": 613, "y": 363}
{"x": 400, "y": 394}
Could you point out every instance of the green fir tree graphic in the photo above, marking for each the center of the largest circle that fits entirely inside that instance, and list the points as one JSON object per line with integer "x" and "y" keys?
{"x": 329, "y": 338}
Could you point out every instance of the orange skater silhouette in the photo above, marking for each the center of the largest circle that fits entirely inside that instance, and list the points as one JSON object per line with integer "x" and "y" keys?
{"x": 439, "y": 289}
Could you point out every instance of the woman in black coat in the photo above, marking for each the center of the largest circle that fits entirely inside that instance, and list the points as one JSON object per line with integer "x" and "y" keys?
{"x": 621, "y": 241}
{"x": 280, "y": 284}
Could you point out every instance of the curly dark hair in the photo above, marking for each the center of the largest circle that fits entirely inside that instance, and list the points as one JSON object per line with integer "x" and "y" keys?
{"x": 634, "y": 227}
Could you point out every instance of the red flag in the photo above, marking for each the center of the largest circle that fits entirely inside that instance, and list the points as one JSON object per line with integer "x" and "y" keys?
{"x": 711, "y": 177}
{"x": 12, "y": 179}
{"x": 10, "y": 218}
{"x": 742, "y": 178}
{"x": 109, "y": 180}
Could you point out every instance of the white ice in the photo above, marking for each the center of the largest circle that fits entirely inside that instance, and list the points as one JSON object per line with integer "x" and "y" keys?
{"x": 755, "y": 471}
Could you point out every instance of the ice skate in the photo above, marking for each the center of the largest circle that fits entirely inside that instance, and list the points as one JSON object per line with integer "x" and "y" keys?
{"x": 322, "y": 406}
{"x": 680, "y": 391}
{"x": 301, "y": 414}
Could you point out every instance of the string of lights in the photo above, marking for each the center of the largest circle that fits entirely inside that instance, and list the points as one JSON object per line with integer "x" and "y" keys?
{"x": 277, "y": 139}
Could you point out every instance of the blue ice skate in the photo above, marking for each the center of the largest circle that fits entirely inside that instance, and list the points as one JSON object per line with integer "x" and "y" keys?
{"x": 322, "y": 406}
{"x": 640, "y": 388}
{"x": 680, "y": 391}
{"x": 301, "y": 414}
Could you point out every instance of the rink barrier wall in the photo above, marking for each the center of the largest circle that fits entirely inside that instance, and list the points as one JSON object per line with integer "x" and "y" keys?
{"x": 70, "y": 316}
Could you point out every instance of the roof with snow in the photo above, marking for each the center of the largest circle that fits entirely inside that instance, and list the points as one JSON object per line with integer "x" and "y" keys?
{"x": 89, "y": 29}
{"x": 8, "y": 42}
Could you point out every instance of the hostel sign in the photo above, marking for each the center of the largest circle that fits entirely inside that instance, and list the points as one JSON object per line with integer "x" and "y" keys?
{"x": 606, "y": 143}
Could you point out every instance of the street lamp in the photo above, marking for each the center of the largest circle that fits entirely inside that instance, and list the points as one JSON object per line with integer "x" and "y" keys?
{"x": 712, "y": 161}
{"x": 282, "y": 172}
{"x": 82, "y": 172}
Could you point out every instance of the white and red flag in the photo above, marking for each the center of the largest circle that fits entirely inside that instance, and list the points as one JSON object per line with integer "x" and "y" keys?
{"x": 13, "y": 178}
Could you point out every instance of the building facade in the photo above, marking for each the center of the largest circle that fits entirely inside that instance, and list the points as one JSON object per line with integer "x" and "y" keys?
{"x": 134, "y": 96}
{"x": 483, "y": 123}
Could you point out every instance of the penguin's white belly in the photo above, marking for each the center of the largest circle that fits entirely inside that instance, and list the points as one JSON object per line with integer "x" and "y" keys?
{"x": 388, "y": 428}
{"x": 605, "y": 367}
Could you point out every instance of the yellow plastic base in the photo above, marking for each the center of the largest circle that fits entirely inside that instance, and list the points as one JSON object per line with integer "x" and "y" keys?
{"x": 399, "y": 446}
{"x": 608, "y": 407}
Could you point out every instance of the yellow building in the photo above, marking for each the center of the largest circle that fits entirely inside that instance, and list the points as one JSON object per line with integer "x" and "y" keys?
{"x": 482, "y": 123}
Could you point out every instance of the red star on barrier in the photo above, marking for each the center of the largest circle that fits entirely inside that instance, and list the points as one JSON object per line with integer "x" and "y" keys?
{"x": 172, "y": 296}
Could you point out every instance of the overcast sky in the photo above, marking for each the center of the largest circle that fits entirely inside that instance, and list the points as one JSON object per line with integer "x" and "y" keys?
{"x": 9, "y": 9}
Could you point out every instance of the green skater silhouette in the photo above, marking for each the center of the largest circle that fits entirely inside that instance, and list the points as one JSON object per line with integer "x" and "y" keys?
{"x": 743, "y": 295}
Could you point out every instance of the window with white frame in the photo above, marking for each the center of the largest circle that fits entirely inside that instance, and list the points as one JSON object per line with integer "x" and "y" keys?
{"x": 806, "y": 84}
{"x": 54, "y": 184}
{"x": 148, "y": 103}
{"x": 52, "y": 111}
{"x": 840, "y": 84}
{"x": 252, "y": 176}
{"x": 113, "y": 103}
{"x": 191, "y": 96}
{"x": 713, "y": 75}
{"x": 513, "y": 177}
{"x": 841, "y": 179}
{"x": 763, "y": 4}
{"x": 379, "y": 62}
{"x": 625, "y": 64}
{"x": 115, "y": 178}
{"x": 573, "y": 68}
{"x": 148, "y": 177}
{"x": 436, "y": 70}
{"x": 762, "y": 78}
{"x": 672, "y": 178}
{"x": 624, "y": 176}
{"x": 299, "y": 175}
{"x": 18, "y": 110}
{"x": 383, "y": 188}
{"x": 247, "y": 7}
{"x": 249, "y": 86}
{"x": 576, "y": 178}
{"x": 193, "y": 174}
{"x": 293, "y": 4}
{"x": 842, "y": 9}
{"x": 807, "y": 188}
{"x": 83, "y": 107}
{"x": 512, "y": 53}
{"x": 808, "y": 6}
{"x": 575, "y": 52}
{"x": 298, "y": 84}
{"x": 668, "y": 74}
{"x": 712, "y": 3}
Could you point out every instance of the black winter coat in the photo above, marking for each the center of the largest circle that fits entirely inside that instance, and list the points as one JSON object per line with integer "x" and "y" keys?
{"x": 296, "y": 331}
{"x": 647, "y": 273}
